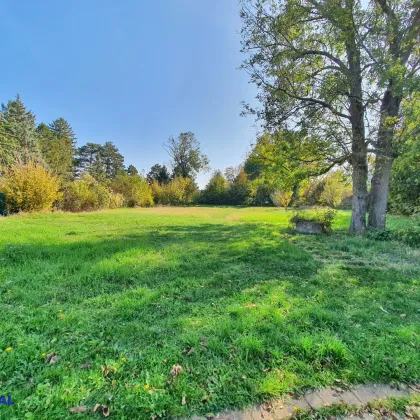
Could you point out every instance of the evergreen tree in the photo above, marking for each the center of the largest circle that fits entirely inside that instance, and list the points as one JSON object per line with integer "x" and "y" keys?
{"x": 89, "y": 159}
{"x": 132, "y": 170}
{"x": 63, "y": 129}
{"x": 19, "y": 128}
{"x": 158, "y": 173}
{"x": 8, "y": 146}
{"x": 102, "y": 162}
{"x": 57, "y": 152}
{"x": 112, "y": 159}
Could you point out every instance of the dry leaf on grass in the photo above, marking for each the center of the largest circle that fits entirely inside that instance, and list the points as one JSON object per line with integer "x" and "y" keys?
{"x": 176, "y": 370}
{"x": 102, "y": 408}
{"x": 76, "y": 410}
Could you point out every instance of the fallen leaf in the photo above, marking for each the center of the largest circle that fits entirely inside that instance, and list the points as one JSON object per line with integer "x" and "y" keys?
{"x": 106, "y": 370}
{"x": 49, "y": 356}
{"x": 53, "y": 359}
{"x": 244, "y": 378}
{"x": 184, "y": 400}
{"x": 337, "y": 380}
{"x": 76, "y": 410}
{"x": 103, "y": 408}
{"x": 403, "y": 315}
{"x": 176, "y": 370}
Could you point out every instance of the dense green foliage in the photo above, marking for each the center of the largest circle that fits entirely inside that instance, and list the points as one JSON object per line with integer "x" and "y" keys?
{"x": 186, "y": 156}
{"x": 135, "y": 190}
{"x": 246, "y": 308}
{"x": 158, "y": 173}
{"x": 405, "y": 182}
{"x": 178, "y": 192}
{"x": 331, "y": 77}
{"x": 85, "y": 194}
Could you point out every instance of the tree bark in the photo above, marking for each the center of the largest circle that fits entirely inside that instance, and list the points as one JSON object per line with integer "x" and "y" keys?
{"x": 379, "y": 192}
{"x": 360, "y": 174}
{"x": 384, "y": 159}
{"x": 359, "y": 147}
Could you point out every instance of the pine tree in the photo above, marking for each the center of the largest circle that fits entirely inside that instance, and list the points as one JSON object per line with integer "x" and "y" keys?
{"x": 158, "y": 173}
{"x": 62, "y": 128}
{"x": 8, "y": 146}
{"x": 57, "y": 152}
{"x": 19, "y": 127}
{"x": 112, "y": 159}
{"x": 132, "y": 170}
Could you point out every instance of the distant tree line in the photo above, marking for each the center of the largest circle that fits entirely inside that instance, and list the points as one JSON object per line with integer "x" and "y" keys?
{"x": 42, "y": 168}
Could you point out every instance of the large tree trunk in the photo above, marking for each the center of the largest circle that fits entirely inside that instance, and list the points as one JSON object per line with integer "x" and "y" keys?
{"x": 379, "y": 192}
{"x": 360, "y": 174}
{"x": 384, "y": 159}
{"x": 359, "y": 148}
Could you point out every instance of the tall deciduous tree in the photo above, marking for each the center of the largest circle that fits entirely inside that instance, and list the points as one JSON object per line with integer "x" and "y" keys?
{"x": 318, "y": 66}
{"x": 394, "y": 49}
{"x": 187, "y": 158}
{"x": 216, "y": 190}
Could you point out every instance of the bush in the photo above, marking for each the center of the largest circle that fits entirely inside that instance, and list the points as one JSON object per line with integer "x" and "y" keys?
{"x": 324, "y": 218}
{"x": 215, "y": 191}
{"x": 330, "y": 190}
{"x": 116, "y": 200}
{"x": 380, "y": 234}
{"x": 135, "y": 190}
{"x": 281, "y": 198}
{"x": 86, "y": 194}
{"x": 261, "y": 193}
{"x": 180, "y": 191}
{"x": 410, "y": 236}
{"x": 29, "y": 188}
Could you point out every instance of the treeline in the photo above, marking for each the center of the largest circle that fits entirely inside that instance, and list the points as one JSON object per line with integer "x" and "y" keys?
{"x": 237, "y": 186}
{"x": 41, "y": 168}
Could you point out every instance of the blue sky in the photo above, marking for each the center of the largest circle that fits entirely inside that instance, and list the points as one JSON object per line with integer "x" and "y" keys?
{"x": 133, "y": 72}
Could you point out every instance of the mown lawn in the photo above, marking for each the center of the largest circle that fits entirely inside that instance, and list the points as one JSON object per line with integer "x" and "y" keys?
{"x": 246, "y": 308}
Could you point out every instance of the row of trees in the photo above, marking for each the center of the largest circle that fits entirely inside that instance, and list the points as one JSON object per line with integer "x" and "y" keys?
{"x": 239, "y": 187}
{"x": 41, "y": 167}
{"x": 333, "y": 78}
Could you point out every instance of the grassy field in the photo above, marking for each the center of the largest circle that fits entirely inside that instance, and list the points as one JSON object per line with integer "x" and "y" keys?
{"x": 244, "y": 309}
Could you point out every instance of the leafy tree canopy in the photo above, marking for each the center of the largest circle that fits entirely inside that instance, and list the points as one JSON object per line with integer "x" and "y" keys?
{"x": 186, "y": 156}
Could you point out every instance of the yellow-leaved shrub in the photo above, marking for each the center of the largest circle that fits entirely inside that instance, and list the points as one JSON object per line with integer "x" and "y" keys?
{"x": 29, "y": 187}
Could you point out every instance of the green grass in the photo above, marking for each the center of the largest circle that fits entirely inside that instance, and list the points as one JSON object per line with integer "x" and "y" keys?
{"x": 247, "y": 308}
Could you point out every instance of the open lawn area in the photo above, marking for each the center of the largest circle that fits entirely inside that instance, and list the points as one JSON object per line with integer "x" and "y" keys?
{"x": 242, "y": 307}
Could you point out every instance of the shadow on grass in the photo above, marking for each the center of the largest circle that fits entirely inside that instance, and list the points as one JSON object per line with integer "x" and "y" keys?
{"x": 246, "y": 313}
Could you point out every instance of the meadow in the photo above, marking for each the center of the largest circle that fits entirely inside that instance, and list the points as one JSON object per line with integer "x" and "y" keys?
{"x": 170, "y": 312}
